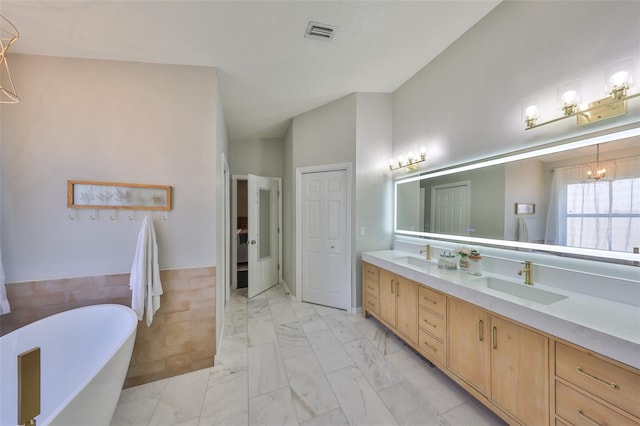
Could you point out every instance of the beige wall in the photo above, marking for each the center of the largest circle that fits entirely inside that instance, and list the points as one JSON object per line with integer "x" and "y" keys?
{"x": 373, "y": 195}
{"x": 262, "y": 157}
{"x": 107, "y": 121}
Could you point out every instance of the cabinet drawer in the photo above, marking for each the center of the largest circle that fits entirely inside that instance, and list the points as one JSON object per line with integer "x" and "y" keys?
{"x": 613, "y": 384}
{"x": 432, "y": 323}
{"x": 371, "y": 303}
{"x": 371, "y": 272}
{"x": 431, "y": 347}
{"x": 371, "y": 287}
{"x": 433, "y": 301}
{"x": 579, "y": 409}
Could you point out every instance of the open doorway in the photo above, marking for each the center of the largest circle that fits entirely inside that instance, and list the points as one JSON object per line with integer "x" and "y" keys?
{"x": 240, "y": 233}
{"x": 256, "y": 238}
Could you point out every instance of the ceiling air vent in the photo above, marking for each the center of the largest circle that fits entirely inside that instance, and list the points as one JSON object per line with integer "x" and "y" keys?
{"x": 318, "y": 31}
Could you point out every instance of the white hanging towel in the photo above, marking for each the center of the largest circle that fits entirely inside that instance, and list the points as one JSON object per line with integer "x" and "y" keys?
{"x": 523, "y": 230}
{"x": 145, "y": 284}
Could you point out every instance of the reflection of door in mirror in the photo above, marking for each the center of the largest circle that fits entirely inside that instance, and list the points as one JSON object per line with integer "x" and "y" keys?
{"x": 450, "y": 208}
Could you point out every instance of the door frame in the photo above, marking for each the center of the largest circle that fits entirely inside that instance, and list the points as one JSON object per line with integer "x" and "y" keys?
{"x": 222, "y": 250}
{"x": 234, "y": 227}
{"x": 319, "y": 169}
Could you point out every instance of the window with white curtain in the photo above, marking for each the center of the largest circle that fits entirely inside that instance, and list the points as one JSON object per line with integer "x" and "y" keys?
{"x": 602, "y": 214}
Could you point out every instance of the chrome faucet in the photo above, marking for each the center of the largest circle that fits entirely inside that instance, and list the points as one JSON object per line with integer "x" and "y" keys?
{"x": 527, "y": 272}
{"x": 427, "y": 249}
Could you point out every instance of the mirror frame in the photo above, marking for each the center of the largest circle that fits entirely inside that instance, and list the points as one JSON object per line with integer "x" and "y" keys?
{"x": 550, "y": 148}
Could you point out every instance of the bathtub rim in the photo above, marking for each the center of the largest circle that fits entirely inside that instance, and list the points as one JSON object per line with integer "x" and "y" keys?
{"x": 118, "y": 344}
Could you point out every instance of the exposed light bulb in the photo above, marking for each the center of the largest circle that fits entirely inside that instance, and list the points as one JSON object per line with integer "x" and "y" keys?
{"x": 619, "y": 79}
{"x": 531, "y": 111}
{"x": 570, "y": 97}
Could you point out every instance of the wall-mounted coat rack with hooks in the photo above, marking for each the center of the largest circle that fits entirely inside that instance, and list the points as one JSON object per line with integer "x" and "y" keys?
{"x": 82, "y": 194}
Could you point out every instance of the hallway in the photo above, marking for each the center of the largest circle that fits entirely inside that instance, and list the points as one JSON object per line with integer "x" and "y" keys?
{"x": 283, "y": 362}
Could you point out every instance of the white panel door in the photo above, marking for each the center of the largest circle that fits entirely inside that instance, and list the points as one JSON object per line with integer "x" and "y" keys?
{"x": 450, "y": 208}
{"x": 325, "y": 273}
{"x": 263, "y": 239}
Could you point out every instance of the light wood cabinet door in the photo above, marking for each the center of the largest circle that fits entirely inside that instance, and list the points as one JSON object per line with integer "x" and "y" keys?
{"x": 387, "y": 297}
{"x": 520, "y": 372}
{"x": 468, "y": 338}
{"x": 407, "y": 307}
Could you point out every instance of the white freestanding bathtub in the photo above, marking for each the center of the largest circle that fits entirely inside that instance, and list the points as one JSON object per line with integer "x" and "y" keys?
{"x": 85, "y": 354}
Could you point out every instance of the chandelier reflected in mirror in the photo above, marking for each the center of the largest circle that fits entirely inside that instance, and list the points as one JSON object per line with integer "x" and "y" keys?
{"x": 605, "y": 170}
{"x": 8, "y": 35}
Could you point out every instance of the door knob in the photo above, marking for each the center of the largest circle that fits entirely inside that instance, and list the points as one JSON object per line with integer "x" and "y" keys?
{"x": 252, "y": 242}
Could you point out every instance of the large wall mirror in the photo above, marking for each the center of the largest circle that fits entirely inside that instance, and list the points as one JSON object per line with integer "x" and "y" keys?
{"x": 547, "y": 199}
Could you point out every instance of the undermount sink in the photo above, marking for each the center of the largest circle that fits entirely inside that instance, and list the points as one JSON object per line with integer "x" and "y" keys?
{"x": 523, "y": 291}
{"x": 416, "y": 261}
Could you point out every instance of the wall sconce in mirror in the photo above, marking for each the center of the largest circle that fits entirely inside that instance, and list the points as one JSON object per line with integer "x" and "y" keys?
{"x": 618, "y": 80}
{"x": 8, "y": 35}
{"x": 411, "y": 162}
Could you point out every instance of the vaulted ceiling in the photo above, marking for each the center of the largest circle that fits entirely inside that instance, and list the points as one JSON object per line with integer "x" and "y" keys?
{"x": 268, "y": 71}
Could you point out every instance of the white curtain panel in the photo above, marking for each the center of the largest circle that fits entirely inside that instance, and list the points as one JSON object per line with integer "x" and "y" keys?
{"x": 602, "y": 214}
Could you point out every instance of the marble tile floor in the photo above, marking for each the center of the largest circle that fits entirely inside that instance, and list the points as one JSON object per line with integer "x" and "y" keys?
{"x": 288, "y": 363}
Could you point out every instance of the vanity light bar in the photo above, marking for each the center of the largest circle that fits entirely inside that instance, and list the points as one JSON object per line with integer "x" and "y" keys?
{"x": 594, "y": 112}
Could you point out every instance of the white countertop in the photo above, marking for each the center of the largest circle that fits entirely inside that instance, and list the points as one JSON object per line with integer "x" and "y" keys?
{"x": 603, "y": 326}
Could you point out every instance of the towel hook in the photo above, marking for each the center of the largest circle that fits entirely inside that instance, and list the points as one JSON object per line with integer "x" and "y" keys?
{"x": 115, "y": 215}
{"x": 130, "y": 216}
{"x": 74, "y": 215}
{"x": 94, "y": 216}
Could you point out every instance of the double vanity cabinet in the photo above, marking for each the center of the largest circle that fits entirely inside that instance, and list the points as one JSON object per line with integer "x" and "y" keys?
{"x": 522, "y": 374}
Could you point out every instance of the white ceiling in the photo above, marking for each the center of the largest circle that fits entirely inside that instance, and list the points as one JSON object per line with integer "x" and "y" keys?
{"x": 268, "y": 71}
